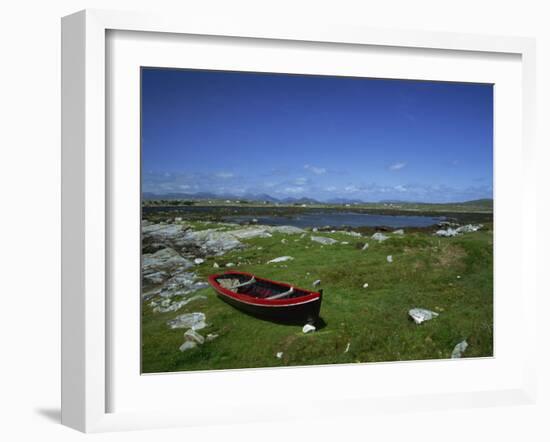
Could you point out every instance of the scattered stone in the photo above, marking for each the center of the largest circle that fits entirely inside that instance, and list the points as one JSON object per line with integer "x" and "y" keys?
{"x": 182, "y": 283}
{"x": 187, "y": 345}
{"x": 316, "y": 283}
{"x": 230, "y": 264}
{"x": 468, "y": 228}
{"x": 459, "y": 349}
{"x": 254, "y": 220}
{"x": 178, "y": 219}
{"x": 419, "y": 315}
{"x": 279, "y": 354}
{"x": 289, "y": 230}
{"x": 308, "y": 328}
{"x": 166, "y": 307}
{"x": 280, "y": 259}
{"x": 216, "y": 265}
{"x": 192, "y": 335}
{"x": 398, "y": 232}
{"x": 458, "y": 276}
{"x": 211, "y": 337}
{"x": 344, "y": 243}
{"x": 365, "y": 285}
{"x": 193, "y": 320}
{"x": 283, "y": 241}
{"x": 198, "y": 261}
{"x": 389, "y": 258}
{"x": 366, "y": 246}
{"x": 315, "y": 229}
{"x": 379, "y": 236}
{"x": 323, "y": 240}
{"x": 347, "y": 347}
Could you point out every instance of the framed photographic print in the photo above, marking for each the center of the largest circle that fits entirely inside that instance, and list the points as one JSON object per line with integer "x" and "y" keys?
{"x": 290, "y": 221}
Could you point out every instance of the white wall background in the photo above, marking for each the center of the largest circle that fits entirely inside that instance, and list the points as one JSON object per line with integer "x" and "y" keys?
{"x": 30, "y": 220}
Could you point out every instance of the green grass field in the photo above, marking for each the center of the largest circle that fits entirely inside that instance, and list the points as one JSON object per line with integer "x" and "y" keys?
{"x": 452, "y": 276}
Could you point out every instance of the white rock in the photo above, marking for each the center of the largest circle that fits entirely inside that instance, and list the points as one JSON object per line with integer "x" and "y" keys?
{"x": 166, "y": 307}
{"x": 216, "y": 265}
{"x": 211, "y": 337}
{"x": 192, "y": 335}
{"x": 283, "y": 241}
{"x": 289, "y": 230}
{"x": 398, "y": 232}
{"x": 459, "y": 349}
{"x": 280, "y": 259}
{"x": 347, "y": 347}
{"x": 378, "y": 236}
{"x": 365, "y": 285}
{"x": 317, "y": 283}
{"x": 279, "y": 354}
{"x": 419, "y": 315}
{"x": 198, "y": 261}
{"x": 323, "y": 240}
{"x": 344, "y": 242}
{"x": 187, "y": 345}
{"x": 308, "y": 328}
{"x": 193, "y": 320}
{"x": 230, "y": 264}
{"x": 366, "y": 246}
{"x": 389, "y": 258}
{"x": 458, "y": 276}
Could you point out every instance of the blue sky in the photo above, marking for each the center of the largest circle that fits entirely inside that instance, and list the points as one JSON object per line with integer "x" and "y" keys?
{"x": 315, "y": 136}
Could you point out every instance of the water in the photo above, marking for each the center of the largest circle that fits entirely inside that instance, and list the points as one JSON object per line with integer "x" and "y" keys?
{"x": 339, "y": 219}
{"x": 306, "y": 218}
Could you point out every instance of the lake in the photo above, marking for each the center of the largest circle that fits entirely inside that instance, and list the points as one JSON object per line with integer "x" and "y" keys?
{"x": 304, "y": 218}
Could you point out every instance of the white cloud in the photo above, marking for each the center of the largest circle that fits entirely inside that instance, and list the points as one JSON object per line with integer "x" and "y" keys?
{"x": 294, "y": 189}
{"x": 397, "y": 166}
{"x": 330, "y": 189}
{"x": 300, "y": 181}
{"x": 400, "y": 188}
{"x": 315, "y": 170}
{"x": 225, "y": 175}
{"x": 351, "y": 189}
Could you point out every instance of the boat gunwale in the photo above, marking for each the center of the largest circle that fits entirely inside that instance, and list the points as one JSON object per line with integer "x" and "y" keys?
{"x": 312, "y": 296}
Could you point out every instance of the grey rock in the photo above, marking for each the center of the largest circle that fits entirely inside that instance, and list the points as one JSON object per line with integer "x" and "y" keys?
{"x": 419, "y": 315}
{"x": 308, "y": 328}
{"x": 192, "y": 335}
{"x": 379, "y": 236}
{"x": 316, "y": 283}
{"x": 280, "y": 259}
{"x": 187, "y": 345}
{"x": 166, "y": 259}
{"x": 175, "y": 306}
{"x": 289, "y": 230}
{"x": 193, "y": 320}
{"x": 323, "y": 240}
{"x": 459, "y": 349}
{"x": 211, "y": 337}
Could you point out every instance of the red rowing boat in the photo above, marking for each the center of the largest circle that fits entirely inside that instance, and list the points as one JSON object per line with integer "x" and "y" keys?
{"x": 272, "y": 300}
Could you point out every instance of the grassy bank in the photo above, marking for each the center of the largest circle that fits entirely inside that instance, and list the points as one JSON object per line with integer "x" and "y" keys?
{"x": 452, "y": 276}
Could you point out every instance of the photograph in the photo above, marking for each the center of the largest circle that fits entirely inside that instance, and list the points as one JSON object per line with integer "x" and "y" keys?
{"x": 304, "y": 220}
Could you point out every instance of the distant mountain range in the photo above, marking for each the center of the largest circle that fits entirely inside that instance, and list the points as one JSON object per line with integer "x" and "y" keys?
{"x": 486, "y": 202}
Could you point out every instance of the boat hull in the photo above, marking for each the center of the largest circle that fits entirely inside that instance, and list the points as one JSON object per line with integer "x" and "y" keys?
{"x": 307, "y": 312}
{"x": 299, "y": 310}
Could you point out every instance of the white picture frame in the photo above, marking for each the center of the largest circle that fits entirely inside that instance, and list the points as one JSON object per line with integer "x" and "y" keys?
{"x": 86, "y": 215}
